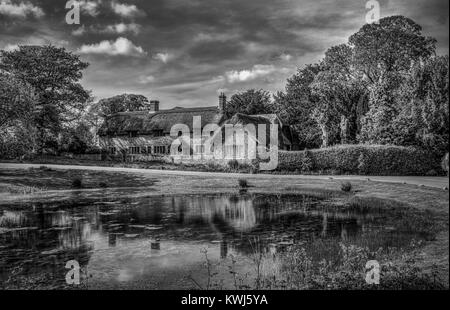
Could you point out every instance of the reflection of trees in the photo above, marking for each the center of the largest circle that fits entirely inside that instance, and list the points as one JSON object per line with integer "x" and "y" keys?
{"x": 234, "y": 221}
{"x": 42, "y": 241}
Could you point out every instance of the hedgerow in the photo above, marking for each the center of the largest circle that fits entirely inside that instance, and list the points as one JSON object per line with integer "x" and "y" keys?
{"x": 362, "y": 159}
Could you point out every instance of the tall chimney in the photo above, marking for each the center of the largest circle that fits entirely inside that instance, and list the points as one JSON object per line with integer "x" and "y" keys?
{"x": 154, "y": 105}
{"x": 222, "y": 102}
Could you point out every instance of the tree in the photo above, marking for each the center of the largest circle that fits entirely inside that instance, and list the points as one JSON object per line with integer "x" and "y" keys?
{"x": 383, "y": 54}
{"x": 295, "y": 106}
{"x": 342, "y": 92}
{"x": 123, "y": 103}
{"x": 391, "y": 45}
{"x": 250, "y": 102}
{"x": 423, "y": 99}
{"x": 17, "y": 136}
{"x": 17, "y": 100}
{"x": 343, "y": 98}
{"x": 54, "y": 74}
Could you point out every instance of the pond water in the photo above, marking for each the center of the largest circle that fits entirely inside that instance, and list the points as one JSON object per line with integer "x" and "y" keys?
{"x": 156, "y": 242}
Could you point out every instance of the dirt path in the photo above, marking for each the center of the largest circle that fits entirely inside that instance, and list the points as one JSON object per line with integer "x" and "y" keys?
{"x": 436, "y": 182}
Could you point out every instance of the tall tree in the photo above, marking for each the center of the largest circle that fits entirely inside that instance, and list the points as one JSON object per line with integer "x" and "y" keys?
{"x": 423, "y": 100}
{"x": 296, "y": 104}
{"x": 250, "y": 102}
{"x": 123, "y": 103}
{"x": 55, "y": 74}
{"x": 391, "y": 45}
{"x": 17, "y": 100}
{"x": 17, "y": 135}
{"x": 383, "y": 53}
{"x": 342, "y": 90}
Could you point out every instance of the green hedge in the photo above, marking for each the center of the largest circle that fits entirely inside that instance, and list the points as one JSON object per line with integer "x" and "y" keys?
{"x": 362, "y": 159}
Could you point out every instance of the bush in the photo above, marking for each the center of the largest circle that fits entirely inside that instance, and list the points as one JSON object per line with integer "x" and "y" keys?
{"x": 233, "y": 164}
{"x": 346, "y": 187}
{"x": 243, "y": 183}
{"x": 362, "y": 159}
{"x": 77, "y": 183}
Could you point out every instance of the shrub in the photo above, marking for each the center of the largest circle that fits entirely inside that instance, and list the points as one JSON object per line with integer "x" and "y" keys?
{"x": 233, "y": 164}
{"x": 307, "y": 163}
{"x": 346, "y": 187}
{"x": 363, "y": 159}
{"x": 77, "y": 183}
{"x": 243, "y": 183}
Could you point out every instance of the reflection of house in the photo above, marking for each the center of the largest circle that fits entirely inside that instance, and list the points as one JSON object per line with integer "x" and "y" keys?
{"x": 146, "y": 134}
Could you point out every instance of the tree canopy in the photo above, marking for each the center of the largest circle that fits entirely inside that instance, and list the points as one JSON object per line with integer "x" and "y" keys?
{"x": 123, "y": 103}
{"x": 250, "y": 102}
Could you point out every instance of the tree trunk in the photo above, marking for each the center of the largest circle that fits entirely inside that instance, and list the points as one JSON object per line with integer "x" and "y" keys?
{"x": 345, "y": 130}
{"x": 325, "y": 135}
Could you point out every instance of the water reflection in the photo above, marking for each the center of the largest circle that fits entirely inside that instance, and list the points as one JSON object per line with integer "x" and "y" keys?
{"x": 131, "y": 239}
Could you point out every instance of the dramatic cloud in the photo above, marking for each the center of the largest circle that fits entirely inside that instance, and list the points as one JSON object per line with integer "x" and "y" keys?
{"x": 125, "y": 10}
{"x": 22, "y": 9}
{"x": 120, "y": 28}
{"x": 123, "y": 28}
{"x": 286, "y": 57}
{"x": 120, "y": 47}
{"x": 182, "y": 52}
{"x": 164, "y": 57}
{"x": 248, "y": 75}
{"x": 89, "y": 7}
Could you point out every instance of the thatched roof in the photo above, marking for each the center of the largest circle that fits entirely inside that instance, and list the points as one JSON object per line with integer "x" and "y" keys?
{"x": 147, "y": 123}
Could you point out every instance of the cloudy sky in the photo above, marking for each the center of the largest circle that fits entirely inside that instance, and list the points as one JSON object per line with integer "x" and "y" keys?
{"x": 183, "y": 52}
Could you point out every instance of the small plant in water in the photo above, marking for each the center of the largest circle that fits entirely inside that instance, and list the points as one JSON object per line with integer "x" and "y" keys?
{"x": 77, "y": 183}
{"x": 346, "y": 187}
{"x": 243, "y": 183}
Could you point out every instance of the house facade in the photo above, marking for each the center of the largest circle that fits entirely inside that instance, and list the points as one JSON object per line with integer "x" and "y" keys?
{"x": 146, "y": 135}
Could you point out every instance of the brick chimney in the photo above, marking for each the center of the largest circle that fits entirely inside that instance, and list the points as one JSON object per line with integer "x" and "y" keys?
{"x": 222, "y": 102}
{"x": 154, "y": 106}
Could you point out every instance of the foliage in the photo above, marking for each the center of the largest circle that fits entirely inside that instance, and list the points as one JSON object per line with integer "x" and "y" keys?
{"x": 233, "y": 164}
{"x": 391, "y": 45}
{"x": 384, "y": 87}
{"x": 249, "y": 102}
{"x": 295, "y": 106}
{"x": 122, "y": 103}
{"x": 363, "y": 159}
{"x": 346, "y": 186}
{"x": 243, "y": 183}
{"x": 54, "y": 75}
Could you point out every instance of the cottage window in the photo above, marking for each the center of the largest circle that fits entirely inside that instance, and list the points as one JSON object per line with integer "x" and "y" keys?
{"x": 135, "y": 150}
{"x": 160, "y": 149}
{"x": 112, "y": 150}
{"x": 133, "y": 134}
{"x": 149, "y": 149}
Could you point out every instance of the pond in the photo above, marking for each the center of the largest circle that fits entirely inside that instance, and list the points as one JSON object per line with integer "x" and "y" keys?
{"x": 164, "y": 242}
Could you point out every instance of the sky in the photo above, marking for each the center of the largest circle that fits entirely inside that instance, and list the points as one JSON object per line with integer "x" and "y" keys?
{"x": 185, "y": 52}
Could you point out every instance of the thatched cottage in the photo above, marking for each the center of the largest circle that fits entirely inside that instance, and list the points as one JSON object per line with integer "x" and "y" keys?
{"x": 145, "y": 135}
